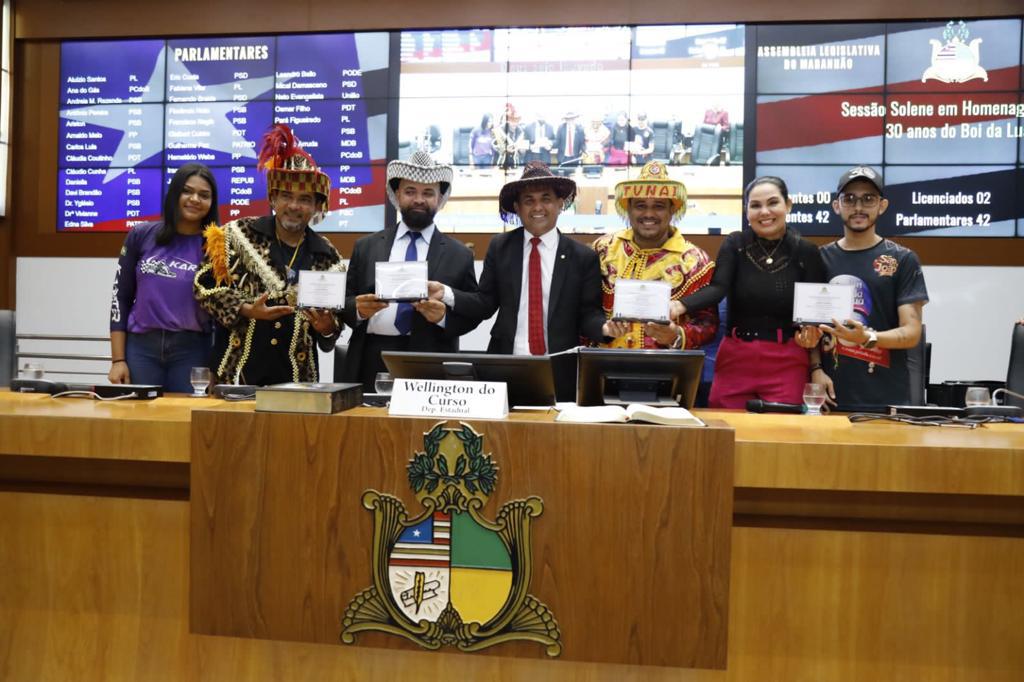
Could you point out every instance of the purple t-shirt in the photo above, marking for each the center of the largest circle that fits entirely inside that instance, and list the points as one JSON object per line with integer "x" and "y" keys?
{"x": 153, "y": 284}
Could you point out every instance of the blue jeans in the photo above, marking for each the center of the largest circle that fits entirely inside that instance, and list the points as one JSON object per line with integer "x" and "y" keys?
{"x": 166, "y": 358}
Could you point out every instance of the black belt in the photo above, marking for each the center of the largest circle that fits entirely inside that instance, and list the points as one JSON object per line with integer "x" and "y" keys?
{"x": 773, "y": 334}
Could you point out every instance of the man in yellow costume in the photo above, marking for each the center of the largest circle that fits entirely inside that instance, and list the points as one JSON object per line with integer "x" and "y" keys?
{"x": 652, "y": 248}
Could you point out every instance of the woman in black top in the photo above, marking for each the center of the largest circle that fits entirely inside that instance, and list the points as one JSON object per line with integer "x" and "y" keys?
{"x": 763, "y": 355}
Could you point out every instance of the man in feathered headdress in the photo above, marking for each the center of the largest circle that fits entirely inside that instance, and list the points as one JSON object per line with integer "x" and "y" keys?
{"x": 418, "y": 188}
{"x": 652, "y": 248}
{"x": 248, "y": 278}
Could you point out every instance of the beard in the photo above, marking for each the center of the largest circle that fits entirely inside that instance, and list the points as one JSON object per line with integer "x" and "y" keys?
{"x": 417, "y": 219}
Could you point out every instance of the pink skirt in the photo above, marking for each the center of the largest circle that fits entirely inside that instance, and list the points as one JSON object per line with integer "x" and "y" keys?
{"x": 771, "y": 371}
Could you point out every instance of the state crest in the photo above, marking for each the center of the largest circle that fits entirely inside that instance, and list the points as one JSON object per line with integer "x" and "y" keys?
{"x": 955, "y": 59}
{"x": 446, "y": 575}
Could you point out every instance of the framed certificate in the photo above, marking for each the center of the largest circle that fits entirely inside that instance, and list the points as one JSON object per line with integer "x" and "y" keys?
{"x": 401, "y": 281}
{"x": 816, "y": 303}
{"x": 638, "y": 300}
{"x": 321, "y": 290}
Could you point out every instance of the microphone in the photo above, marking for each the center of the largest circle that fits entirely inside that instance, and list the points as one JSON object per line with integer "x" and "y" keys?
{"x": 762, "y": 406}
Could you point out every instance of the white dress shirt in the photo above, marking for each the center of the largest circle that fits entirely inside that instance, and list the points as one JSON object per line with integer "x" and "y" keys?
{"x": 548, "y": 246}
{"x": 383, "y": 323}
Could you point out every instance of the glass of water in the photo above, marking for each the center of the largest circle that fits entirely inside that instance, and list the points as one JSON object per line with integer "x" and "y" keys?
{"x": 200, "y": 378}
{"x": 977, "y": 396}
{"x": 814, "y": 398}
{"x": 383, "y": 383}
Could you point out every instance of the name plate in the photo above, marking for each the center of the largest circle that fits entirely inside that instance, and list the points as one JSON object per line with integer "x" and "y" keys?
{"x": 444, "y": 398}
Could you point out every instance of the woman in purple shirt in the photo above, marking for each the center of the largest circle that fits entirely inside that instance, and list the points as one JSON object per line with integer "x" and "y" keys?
{"x": 157, "y": 330}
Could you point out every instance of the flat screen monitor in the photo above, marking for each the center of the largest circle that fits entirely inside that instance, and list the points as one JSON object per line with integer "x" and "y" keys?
{"x": 528, "y": 377}
{"x": 612, "y": 376}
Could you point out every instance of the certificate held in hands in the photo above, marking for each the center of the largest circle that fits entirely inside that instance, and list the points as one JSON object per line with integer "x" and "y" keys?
{"x": 817, "y": 303}
{"x": 638, "y": 300}
{"x": 318, "y": 289}
{"x": 401, "y": 281}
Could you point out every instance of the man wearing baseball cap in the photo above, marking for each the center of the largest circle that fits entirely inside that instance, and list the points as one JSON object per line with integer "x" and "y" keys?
{"x": 869, "y": 352}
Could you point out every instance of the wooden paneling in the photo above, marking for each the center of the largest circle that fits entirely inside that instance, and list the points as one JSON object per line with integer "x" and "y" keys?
{"x": 631, "y": 553}
{"x": 97, "y": 589}
{"x": 38, "y": 425}
{"x": 831, "y": 453}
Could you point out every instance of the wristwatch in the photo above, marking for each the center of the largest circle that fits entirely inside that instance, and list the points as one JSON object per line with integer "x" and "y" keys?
{"x": 872, "y": 339}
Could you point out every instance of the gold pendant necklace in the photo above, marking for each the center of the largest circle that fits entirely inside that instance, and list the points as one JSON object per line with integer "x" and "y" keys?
{"x": 768, "y": 257}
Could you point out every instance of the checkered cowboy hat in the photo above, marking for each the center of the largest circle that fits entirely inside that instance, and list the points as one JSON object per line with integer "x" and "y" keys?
{"x": 420, "y": 167}
{"x": 289, "y": 168}
{"x": 653, "y": 183}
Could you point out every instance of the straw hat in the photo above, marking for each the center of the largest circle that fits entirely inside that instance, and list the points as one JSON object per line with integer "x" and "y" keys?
{"x": 653, "y": 183}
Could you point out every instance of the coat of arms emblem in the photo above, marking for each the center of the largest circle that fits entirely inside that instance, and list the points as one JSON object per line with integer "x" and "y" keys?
{"x": 447, "y": 576}
{"x": 955, "y": 60}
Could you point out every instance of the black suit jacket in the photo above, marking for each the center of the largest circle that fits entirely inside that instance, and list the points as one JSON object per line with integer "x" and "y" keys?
{"x": 578, "y": 141}
{"x": 574, "y": 302}
{"x": 448, "y": 262}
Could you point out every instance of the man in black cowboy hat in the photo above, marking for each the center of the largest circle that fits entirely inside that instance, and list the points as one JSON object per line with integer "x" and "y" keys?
{"x": 418, "y": 188}
{"x": 545, "y": 286}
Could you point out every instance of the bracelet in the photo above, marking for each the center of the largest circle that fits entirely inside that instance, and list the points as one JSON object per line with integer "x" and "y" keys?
{"x": 114, "y": 362}
{"x": 816, "y": 366}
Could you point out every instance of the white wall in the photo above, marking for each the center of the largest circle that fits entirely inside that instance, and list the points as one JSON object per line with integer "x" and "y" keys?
{"x": 969, "y": 318}
{"x": 71, "y": 296}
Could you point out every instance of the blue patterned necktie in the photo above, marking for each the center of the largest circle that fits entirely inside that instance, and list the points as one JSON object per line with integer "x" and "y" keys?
{"x": 403, "y": 318}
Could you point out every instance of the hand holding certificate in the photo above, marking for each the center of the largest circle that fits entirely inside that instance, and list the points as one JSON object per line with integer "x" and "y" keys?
{"x": 401, "y": 281}
{"x": 638, "y": 300}
{"x": 817, "y": 303}
{"x": 321, "y": 290}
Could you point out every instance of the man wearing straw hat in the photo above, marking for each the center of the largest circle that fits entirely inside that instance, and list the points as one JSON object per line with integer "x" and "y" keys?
{"x": 545, "y": 286}
{"x": 652, "y": 248}
{"x": 418, "y": 188}
{"x": 249, "y": 275}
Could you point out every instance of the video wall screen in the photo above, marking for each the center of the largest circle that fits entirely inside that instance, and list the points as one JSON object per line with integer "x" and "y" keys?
{"x": 939, "y": 107}
{"x": 594, "y": 103}
{"x": 134, "y": 111}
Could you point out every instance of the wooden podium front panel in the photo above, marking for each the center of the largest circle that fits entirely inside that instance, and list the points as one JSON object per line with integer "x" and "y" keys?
{"x": 631, "y": 553}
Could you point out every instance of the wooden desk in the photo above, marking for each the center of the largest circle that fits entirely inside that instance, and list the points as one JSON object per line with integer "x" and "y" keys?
{"x": 95, "y": 586}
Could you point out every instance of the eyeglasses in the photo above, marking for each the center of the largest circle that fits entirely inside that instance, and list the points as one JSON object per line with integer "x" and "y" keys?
{"x": 865, "y": 200}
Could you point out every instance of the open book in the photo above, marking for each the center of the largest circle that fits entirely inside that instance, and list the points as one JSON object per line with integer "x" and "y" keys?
{"x": 669, "y": 416}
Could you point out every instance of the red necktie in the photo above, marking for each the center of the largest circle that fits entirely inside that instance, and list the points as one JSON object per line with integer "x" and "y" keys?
{"x": 536, "y": 302}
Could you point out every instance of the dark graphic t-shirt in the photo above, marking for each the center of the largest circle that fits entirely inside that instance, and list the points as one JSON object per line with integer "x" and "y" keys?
{"x": 886, "y": 276}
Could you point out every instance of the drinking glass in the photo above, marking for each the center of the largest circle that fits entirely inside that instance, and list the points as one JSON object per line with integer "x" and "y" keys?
{"x": 33, "y": 370}
{"x": 383, "y": 383}
{"x": 977, "y": 396}
{"x": 814, "y": 398}
{"x": 200, "y": 378}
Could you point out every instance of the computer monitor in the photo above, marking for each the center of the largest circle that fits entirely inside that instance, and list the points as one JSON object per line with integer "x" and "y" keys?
{"x": 528, "y": 377}
{"x": 613, "y": 376}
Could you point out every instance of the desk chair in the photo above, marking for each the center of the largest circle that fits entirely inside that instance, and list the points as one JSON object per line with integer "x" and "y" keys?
{"x": 706, "y": 145}
{"x": 919, "y": 362}
{"x": 1015, "y": 372}
{"x": 8, "y": 346}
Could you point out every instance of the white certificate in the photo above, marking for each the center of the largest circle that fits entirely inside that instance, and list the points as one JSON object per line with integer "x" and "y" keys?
{"x": 638, "y": 300}
{"x": 815, "y": 303}
{"x": 401, "y": 281}
{"x": 321, "y": 290}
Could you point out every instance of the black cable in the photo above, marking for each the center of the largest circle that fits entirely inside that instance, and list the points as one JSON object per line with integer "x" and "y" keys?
{"x": 931, "y": 420}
